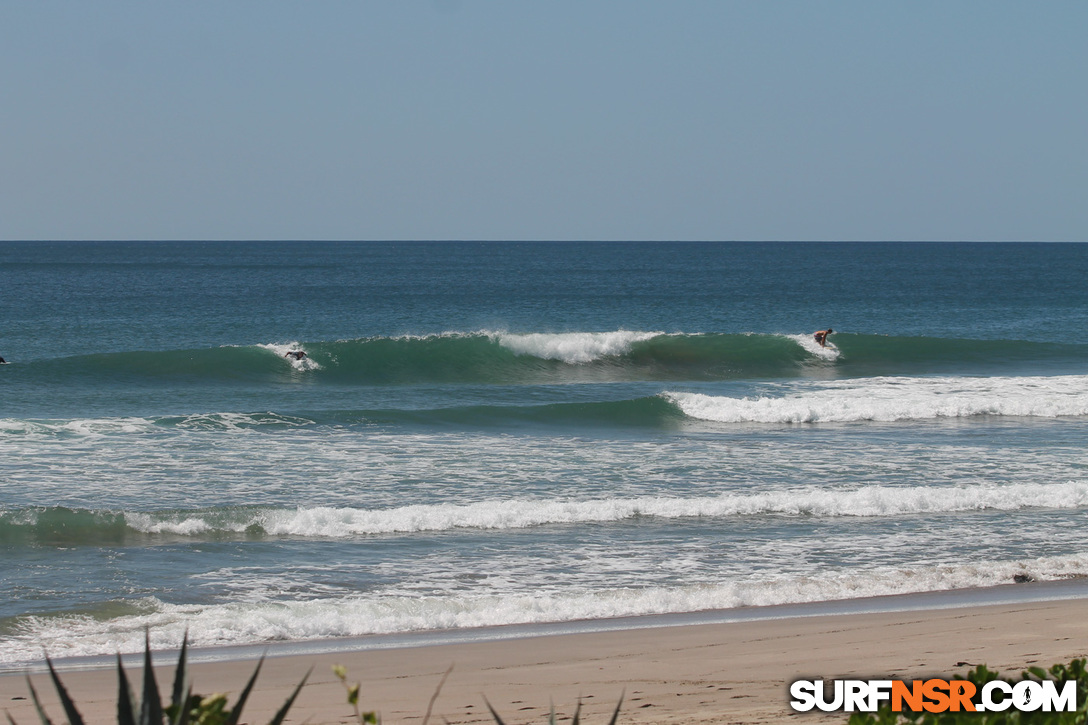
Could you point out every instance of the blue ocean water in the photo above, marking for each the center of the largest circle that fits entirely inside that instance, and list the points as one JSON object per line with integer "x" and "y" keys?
{"x": 486, "y": 433}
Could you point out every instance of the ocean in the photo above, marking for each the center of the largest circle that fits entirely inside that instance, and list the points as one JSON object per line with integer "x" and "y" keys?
{"x": 515, "y": 433}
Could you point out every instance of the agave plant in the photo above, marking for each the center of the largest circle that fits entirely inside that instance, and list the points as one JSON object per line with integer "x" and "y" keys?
{"x": 185, "y": 708}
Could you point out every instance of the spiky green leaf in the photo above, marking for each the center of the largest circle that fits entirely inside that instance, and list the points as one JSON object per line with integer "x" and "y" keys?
{"x": 150, "y": 701}
{"x": 38, "y": 703}
{"x": 616, "y": 714}
{"x": 236, "y": 711}
{"x": 181, "y": 713}
{"x": 74, "y": 718}
{"x": 434, "y": 695}
{"x": 179, "y": 695}
{"x": 282, "y": 712}
{"x": 126, "y": 708}
{"x": 493, "y": 713}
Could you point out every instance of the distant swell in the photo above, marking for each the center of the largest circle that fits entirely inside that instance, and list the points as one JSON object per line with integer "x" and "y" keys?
{"x": 58, "y": 525}
{"x": 652, "y": 412}
{"x": 509, "y": 358}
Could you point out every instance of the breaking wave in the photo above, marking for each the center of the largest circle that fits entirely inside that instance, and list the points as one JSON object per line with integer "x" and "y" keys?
{"x": 894, "y": 399}
{"x": 59, "y": 525}
{"x": 511, "y": 358}
{"x": 238, "y": 623}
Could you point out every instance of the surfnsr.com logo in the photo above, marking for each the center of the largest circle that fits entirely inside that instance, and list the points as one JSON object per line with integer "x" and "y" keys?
{"x": 933, "y": 695}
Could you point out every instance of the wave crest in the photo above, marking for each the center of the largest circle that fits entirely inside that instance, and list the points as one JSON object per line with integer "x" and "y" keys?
{"x": 75, "y": 526}
{"x": 573, "y": 348}
{"x": 489, "y": 356}
{"x": 895, "y": 399}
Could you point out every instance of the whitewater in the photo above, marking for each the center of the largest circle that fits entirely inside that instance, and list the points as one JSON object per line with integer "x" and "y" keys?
{"x": 489, "y": 435}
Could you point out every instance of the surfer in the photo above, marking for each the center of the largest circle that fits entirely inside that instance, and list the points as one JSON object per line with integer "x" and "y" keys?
{"x": 295, "y": 354}
{"x": 2, "y": 361}
{"x": 821, "y": 336}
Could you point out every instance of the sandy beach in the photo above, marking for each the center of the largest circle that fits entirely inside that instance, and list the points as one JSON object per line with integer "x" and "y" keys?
{"x": 732, "y": 672}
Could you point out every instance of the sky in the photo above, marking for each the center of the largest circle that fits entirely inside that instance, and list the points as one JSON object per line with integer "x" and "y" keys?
{"x": 544, "y": 120}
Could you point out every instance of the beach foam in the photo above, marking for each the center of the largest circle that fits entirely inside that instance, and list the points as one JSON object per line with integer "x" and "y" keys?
{"x": 317, "y": 618}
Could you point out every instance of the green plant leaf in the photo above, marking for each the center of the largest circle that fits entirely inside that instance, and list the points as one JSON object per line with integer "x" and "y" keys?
{"x": 282, "y": 713}
{"x": 493, "y": 713}
{"x": 11, "y": 720}
{"x": 616, "y": 714}
{"x": 434, "y": 695}
{"x": 74, "y": 718}
{"x": 577, "y": 713}
{"x": 150, "y": 702}
{"x": 126, "y": 708}
{"x": 184, "y": 711}
{"x": 236, "y": 711}
{"x": 179, "y": 696}
{"x": 38, "y": 703}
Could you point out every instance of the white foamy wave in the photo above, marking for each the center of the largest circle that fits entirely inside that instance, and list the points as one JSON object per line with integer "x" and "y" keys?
{"x": 187, "y": 526}
{"x": 14, "y": 426}
{"x": 240, "y": 623}
{"x": 572, "y": 347}
{"x": 89, "y": 427}
{"x": 281, "y": 350}
{"x": 810, "y": 501}
{"x": 237, "y": 421}
{"x": 891, "y": 399}
{"x": 95, "y": 427}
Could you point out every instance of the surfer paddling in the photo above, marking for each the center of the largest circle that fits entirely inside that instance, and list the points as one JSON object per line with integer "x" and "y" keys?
{"x": 295, "y": 354}
{"x": 821, "y": 336}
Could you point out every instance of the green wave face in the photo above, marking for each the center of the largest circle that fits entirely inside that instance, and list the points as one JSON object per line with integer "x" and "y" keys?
{"x": 582, "y": 357}
{"x": 503, "y": 358}
{"x": 59, "y": 526}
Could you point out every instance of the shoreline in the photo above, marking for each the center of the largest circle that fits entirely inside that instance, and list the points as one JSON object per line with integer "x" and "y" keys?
{"x": 669, "y": 668}
{"x": 1074, "y": 588}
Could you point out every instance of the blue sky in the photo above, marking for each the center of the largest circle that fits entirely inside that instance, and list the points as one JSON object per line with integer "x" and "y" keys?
{"x": 625, "y": 120}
